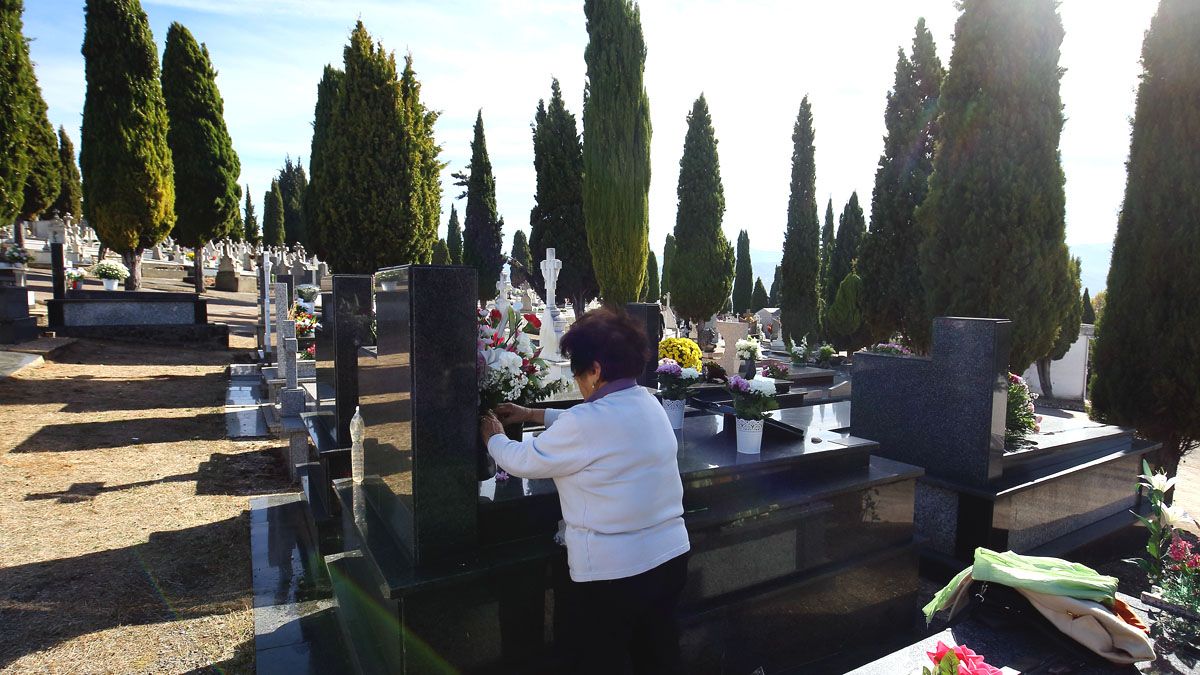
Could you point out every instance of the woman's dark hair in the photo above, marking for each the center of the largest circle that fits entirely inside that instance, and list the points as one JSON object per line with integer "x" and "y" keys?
{"x": 613, "y": 340}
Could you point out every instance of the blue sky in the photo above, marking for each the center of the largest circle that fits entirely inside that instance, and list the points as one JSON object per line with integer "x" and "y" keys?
{"x": 754, "y": 61}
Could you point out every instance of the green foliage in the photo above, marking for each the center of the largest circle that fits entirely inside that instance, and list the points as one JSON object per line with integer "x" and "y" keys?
{"x": 454, "y": 240}
{"x": 292, "y": 185}
{"x": 273, "y": 216}
{"x": 482, "y": 226}
{"x": 206, "y": 167}
{"x": 70, "y": 192}
{"x": 383, "y": 212}
{"x": 128, "y": 184}
{"x": 441, "y": 253}
{"x": 250, "y": 222}
{"x": 1020, "y": 418}
{"x": 775, "y": 286}
{"x": 852, "y": 227}
{"x": 1145, "y": 355}
{"x": 1099, "y": 303}
{"x": 702, "y": 267}
{"x": 668, "y": 257}
{"x": 843, "y": 319}
{"x": 520, "y": 262}
{"x": 44, "y": 180}
{"x": 993, "y": 219}
{"x": 556, "y": 220}
{"x": 801, "y": 254}
{"x": 650, "y": 290}
{"x": 827, "y": 244}
{"x": 759, "y": 297}
{"x": 893, "y": 297}
{"x": 616, "y": 149}
{"x": 743, "y": 275}
{"x": 16, "y": 116}
{"x": 1071, "y": 313}
{"x": 1087, "y": 311}
{"x": 320, "y": 206}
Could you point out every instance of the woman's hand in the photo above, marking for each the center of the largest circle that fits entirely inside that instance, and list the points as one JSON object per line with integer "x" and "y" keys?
{"x": 511, "y": 413}
{"x": 489, "y": 426}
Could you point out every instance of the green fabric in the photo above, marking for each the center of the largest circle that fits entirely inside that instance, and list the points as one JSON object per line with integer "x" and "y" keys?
{"x": 1052, "y": 576}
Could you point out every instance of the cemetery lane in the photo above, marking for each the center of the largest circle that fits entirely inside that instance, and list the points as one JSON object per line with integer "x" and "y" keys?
{"x": 124, "y": 510}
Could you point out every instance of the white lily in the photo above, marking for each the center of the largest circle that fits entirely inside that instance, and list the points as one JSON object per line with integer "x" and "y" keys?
{"x": 1173, "y": 516}
{"x": 1158, "y": 481}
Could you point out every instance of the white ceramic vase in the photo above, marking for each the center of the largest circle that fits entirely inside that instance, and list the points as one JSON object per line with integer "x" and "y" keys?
{"x": 110, "y": 284}
{"x": 674, "y": 409}
{"x": 749, "y": 436}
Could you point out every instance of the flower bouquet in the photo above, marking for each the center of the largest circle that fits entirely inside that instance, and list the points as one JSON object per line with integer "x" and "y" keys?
{"x": 306, "y": 323}
{"x": 510, "y": 370}
{"x": 890, "y": 348}
{"x": 308, "y": 353}
{"x": 110, "y": 272}
{"x": 798, "y": 352}
{"x": 683, "y": 351}
{"x": 1172, "y": 564}
{"x": 673, "y": 383}
{"x": 959, "y": 660}
{"x": 748, "y": 351}
{"x": 12, "y": 254}
{"x": 751, "y": 401}
{"x": 75, "y": 277}
{"x": 1021, "y": 418}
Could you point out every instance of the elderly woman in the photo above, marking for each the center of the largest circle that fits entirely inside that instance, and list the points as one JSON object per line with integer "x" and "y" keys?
{"x": 612, "y": 459}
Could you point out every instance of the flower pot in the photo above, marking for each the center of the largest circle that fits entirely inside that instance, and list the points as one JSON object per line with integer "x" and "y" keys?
{"x": 75, "y": 284}
{"x": 749, "y": 436}
{"x": 110, "y": 284}
{"x": 674, "y": 409}
{"x": 782, "y": 386}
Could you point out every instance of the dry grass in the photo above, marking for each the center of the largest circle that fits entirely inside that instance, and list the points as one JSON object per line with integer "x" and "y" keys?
{"x": 125, "y": 541}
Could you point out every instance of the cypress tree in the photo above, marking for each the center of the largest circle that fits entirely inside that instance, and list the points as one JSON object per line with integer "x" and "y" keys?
{"x": 1068, "y": 330}
{"x": 801, "y": 253}
{"x": 1151, "y": 290}
{"x": 828, "y": 286}
{"x": 273, "y": 216}
{"x": 520, "y": 262}
{"x": 481, "y": 225}
{"x": 893, "y": 298}
{"x": 293, "y": 183}
{"x": 668, "y": 257}
{"x": 250, "y": 223}
{"x": 759, "y": 297}
{"x": 128, "y": 186}
{"x": 441, "y": 253}
{"x": 382, "y": 212}
{"x": 616, "y": 149}
{"x": 651, "y": 291}
{"x": 1088, "y": 313}
{"x": 206, "y": 167}
{"x": 702, "y": 267}
{"x": 44, "y": 179}
{"x": 454, "y": 240}
{"x": 774, "y": 294}
{"x": 16, "y": 118}
{"x": 319, "y": 206}
{"x": 852, "y": 226}
{"x": 556, "y": 220}
{"x": 843, "y": 320}
{"x": 993, "y": 219}
{"x": 70, "y": 192}
{"x": 743, "y": 275}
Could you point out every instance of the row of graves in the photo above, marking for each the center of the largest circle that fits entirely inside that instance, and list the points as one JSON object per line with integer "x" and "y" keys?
{"x": 806, "y": 555}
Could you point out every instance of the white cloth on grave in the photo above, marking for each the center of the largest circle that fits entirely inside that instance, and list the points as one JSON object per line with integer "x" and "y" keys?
{"x": 613, "y": 461}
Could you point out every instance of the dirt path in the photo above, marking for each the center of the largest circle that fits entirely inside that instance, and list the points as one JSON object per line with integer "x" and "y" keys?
{"x": 123, "y": 508}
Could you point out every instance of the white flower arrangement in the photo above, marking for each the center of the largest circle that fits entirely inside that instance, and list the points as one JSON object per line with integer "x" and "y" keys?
{"x": 689, "y": 374}
{"x": 110, "y": 269}
{"x": 748, "y": 348}
{"x": 762, "y": 386}
{"x": 798, "y": 352}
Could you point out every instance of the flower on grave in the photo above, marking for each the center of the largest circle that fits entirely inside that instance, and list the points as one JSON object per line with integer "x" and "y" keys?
{"x": 1021, "y": 419}
{"x": 748, "y": 349}
{"x": 668, "y": 367}
{"x": 890, "y": 348}
{"x": 309, "y": 353}
{"x": 798, "y": 352}
{"x": 76, "y": 274}
{"x": 533, "y": 320}
{"x": 110, "y": 269}
{"x": 752, "y": 399}
{"x": 1180, "y": 550}
{"x": 306, "y": 323}
{"x": 958, "y": 660}
{"x": 13, "y": 254}
{"x": 1158, "y": 481}
{"x": 1172, "y": 516}
{"x": 683, "y": 351}
{"x": 509, "y": 368}
{"x": 675, "y": 381}
{"x": 776, "y": 370}
{"x": 502, "y": 476}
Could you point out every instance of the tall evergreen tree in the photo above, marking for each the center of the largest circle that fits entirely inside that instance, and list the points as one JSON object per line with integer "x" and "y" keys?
{"x": 128, "y": 185}
{"x": 441, "y": 253}
{"x": 1088, "y": 313}
{"x": 556, "y": 220}
{"x": 852, "y": 227}
{"x": 801, "y": 244}
{"x": 320, "y": 205}
{"x": 454, "y": 242}
{"x": 16, "y": 117}
{"x": 44, "y": 180}
{"x": 759, "y": 297}
{"x": 206, "y": 167}
{"x": 893, "y": 298}
{"x": 668, "y": 257}
{"x": 702, "y": 267}
{"x": 843, "y": 321}
{"x": 293, "y": 183}
{"x": 1068, "y": 330}
{"x": 616, "y": 149}
{"x": 70, "y": 192}
{"x": 481, "y": 225}
{"x": 827, "y": 244}
{"x": 743, "y": 275}
{"x": 1150, "y": 307}
{"x": 520, "y": 261}
{"x": 273, "y": 216}
{"x": 250, "y": 222}
{"x": 651, "y": 291}
{"x": 775, "y": 285}
{"x": 996, "y": 192}
{"x": 383, "y": 212}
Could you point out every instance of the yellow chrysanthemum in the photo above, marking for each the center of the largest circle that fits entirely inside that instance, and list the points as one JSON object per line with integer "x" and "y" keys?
{"x": 683, "y": 351}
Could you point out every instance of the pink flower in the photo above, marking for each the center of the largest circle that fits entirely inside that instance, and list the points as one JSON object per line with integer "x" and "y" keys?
{"x": 1181, "y": 549}
{"x": 969, "y": 663}
{"x": 739, "y": 383}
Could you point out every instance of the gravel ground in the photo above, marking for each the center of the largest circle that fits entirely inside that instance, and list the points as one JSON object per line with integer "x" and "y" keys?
{"x": 125, "y": 544}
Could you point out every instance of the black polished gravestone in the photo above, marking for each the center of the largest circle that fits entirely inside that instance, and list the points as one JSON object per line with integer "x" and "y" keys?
{"x": 1059, "y": 489}
{"x": 346, "y": 327}
{"x": 648, "y": 316}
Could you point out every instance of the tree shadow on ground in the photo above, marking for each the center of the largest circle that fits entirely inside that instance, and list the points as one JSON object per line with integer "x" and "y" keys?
{"x": 87, "y": 393}
{"x": 121, "y": 433}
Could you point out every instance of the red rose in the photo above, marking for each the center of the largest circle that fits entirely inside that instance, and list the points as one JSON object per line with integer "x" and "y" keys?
{"x": 533, "y": 320}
